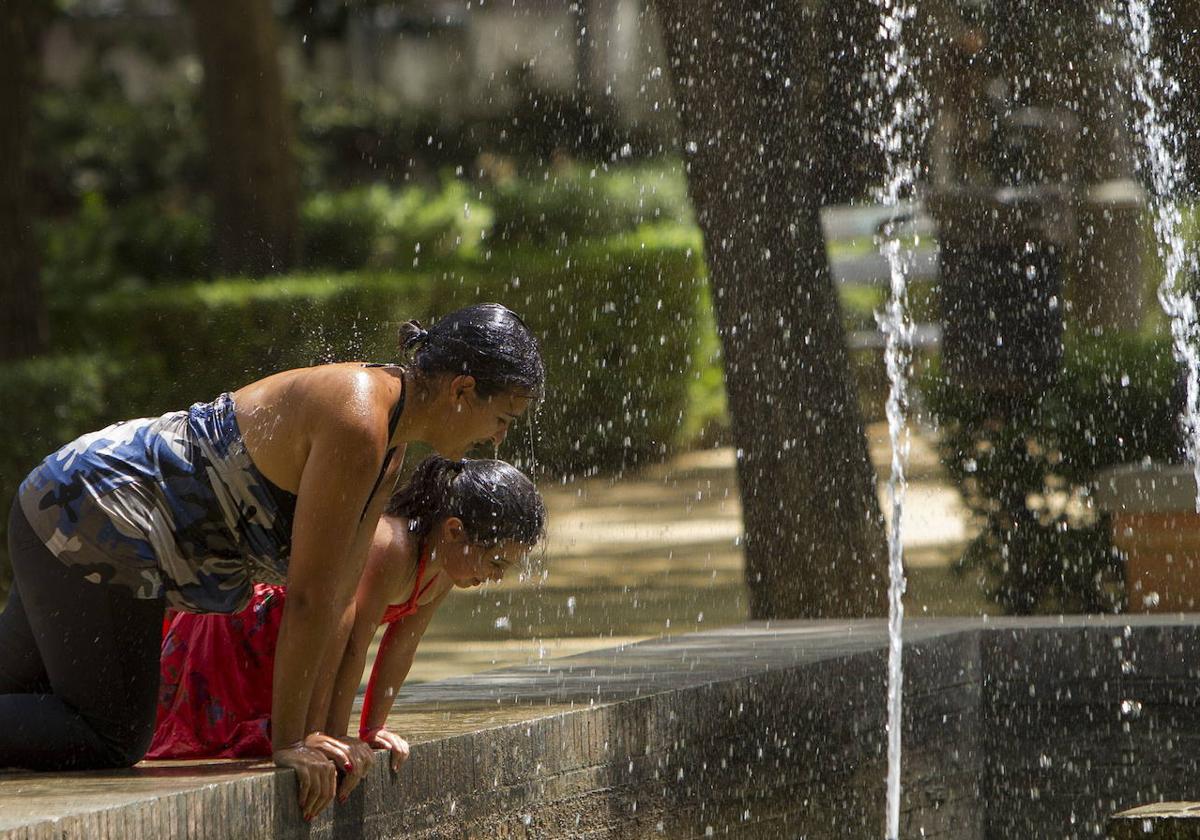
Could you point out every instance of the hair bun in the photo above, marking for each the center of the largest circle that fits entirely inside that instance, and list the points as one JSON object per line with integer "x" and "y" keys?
{"x": 412, "y": 335}
{"x": 486, "y": 341}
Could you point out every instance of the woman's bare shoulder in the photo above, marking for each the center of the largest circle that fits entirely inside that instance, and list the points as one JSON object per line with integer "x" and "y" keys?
{"x": 284, "y": 415}
{"x": 341, "y": 396}
{"x": 394, "y": 551}
{"x": 393, "y": 537}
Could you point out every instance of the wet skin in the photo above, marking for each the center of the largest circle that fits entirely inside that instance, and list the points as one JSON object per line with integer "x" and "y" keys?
{"x": 482, "y": 421}
{"x": 469, "y": 564}
{"x": 321, "y": 434}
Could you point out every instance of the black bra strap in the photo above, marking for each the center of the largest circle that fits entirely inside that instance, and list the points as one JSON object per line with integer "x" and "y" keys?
{"x": 393, "y": 422}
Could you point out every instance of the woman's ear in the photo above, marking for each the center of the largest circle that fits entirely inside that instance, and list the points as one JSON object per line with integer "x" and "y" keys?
{"x": 461, "y": 386}
{"x": 453, "y": 530}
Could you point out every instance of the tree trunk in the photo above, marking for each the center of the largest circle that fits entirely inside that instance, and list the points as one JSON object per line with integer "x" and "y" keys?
{"x": 251, "y": 164}
{"x": 22, "y": 313}
{"x": 751, "y": 120}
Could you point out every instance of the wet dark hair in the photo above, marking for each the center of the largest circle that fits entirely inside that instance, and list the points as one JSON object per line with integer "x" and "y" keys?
{"x": 495, "y": 501}
{"x": 487, "y": 341}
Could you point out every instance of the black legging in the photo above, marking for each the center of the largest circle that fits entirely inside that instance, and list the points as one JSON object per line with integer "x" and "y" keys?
{"x": 78, "y": 665}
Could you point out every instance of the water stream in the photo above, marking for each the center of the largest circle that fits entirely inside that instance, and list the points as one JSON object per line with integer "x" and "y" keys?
{"x": 1151, "y": 89}
{"x": 898, "y": 138}
{"x": 897, "y": 326}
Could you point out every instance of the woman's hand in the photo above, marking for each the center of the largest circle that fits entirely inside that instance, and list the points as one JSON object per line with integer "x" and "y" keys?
{"x": 361, "y": 759}
{"x": 385, "y": 740}
{"x": 315, "y": 773}
{"x": 351, "y": 756}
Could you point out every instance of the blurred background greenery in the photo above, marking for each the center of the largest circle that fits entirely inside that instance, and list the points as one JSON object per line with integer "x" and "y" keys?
{"x": 444, "y": 154}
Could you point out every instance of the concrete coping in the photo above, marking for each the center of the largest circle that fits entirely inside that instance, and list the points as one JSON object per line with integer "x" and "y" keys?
{"x": 765, "y": 729}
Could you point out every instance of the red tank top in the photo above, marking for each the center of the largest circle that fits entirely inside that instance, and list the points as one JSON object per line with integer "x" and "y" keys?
{"x": 395, "y": 612}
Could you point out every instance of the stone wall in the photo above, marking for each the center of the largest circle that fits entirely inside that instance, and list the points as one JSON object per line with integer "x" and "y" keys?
{"x": 1011, "y": 729}
{"x": 1083, "y": 722}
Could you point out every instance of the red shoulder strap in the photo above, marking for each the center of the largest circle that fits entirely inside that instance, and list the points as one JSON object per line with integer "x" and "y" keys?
{"x": 395, "y": 612}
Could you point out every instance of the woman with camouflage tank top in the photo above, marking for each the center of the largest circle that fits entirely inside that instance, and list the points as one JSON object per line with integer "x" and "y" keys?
{"x": 278, "y": 481}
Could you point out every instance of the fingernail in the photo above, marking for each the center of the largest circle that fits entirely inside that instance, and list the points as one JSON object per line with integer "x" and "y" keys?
{"x": 343, "y": 799}
{"x": 347, "y": 767}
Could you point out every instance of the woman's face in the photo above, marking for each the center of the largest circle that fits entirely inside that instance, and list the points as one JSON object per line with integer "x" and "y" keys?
{"x": 474, "y": 420}
{"x": 469, "y": 564}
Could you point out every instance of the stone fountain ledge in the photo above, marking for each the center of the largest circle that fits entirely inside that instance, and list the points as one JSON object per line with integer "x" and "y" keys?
{"x": 1033, "y": 727}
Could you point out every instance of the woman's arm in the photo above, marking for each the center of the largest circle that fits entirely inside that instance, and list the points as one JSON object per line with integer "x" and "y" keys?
{"x": 321, "y": 572}
{"x": 326, "y": 560}
{"x": 322, "y": 433}
{"x": 392, "y": 664}
{"x": 392, "y": 556}
{"x": 323, "y": 690}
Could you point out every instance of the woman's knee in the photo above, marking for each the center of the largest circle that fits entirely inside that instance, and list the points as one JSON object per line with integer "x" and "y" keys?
{"x": 119, "y": 740}
{"x": 125, "y": 751}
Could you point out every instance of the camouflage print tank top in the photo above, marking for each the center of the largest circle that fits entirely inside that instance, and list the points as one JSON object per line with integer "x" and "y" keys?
{"x": 168, "y": 506}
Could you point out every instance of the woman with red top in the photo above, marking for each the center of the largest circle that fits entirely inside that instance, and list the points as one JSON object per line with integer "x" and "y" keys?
{"x": 454, "y": 524}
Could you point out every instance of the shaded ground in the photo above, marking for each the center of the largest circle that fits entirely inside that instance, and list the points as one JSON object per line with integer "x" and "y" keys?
{"x": 660, "y": 554}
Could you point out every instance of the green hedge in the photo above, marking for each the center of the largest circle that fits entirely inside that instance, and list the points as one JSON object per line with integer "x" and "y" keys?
{"x": 618, "y": 320}
{"x": 132, "y": 244}
{"x": 581, "y": 201}
{"x": 380, "y": 227}
{"x": 176, "y": 346}
{"x": 101, "y": 239}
